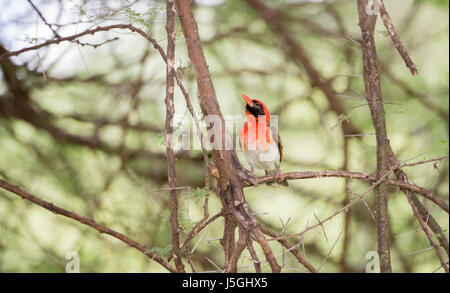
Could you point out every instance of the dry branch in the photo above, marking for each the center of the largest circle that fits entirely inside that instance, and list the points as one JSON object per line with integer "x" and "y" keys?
{"x": 396, "y": 39}
{"x": 419, "y": 210}
{"x": 237, "y": 251}
{"x": 254, "y": 256}
{"x": 86, "y": 221}
{"x": 273, "y": 18}
{"x": 343, "y": 209}
{"x": 84, "y": 33}
{"x": 170, "y": 110}
{"x": 294, "y": 252}
{"x": 426, "y": 231}
{"x": 360, "y": 176}
{"x": 375, "y": 100}
{"x": 229, "y": 185}
{"x": 55, "y": 33}
{"x": 198, "y": 228}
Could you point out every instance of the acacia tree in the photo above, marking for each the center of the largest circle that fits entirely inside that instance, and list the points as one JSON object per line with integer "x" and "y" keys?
{"x": 224, "y": 175}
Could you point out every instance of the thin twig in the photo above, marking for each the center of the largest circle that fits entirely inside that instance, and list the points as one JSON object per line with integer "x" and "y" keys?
{"x": 289, "y": 247}
{"x": 329, "y": 252}
{"x": 43, "y": 19}
{"x": 396, "y": 39}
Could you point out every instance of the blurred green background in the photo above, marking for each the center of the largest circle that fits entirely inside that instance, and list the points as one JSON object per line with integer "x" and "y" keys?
{"x": 95, "y": 145}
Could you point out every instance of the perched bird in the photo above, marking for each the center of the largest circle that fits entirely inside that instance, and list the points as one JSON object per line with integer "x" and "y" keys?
{"x": 261, "y": 143}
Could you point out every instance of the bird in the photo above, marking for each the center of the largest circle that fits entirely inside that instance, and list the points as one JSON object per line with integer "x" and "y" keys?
{"x": 260, "y": 142}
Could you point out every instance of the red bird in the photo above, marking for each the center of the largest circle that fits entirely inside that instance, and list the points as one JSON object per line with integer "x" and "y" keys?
{"x": 261, "y": 143}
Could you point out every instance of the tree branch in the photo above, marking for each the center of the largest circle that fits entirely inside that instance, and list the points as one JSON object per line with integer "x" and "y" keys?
{"x": 356, "y": 175}
{"x": 298, "y": 53}
{"x": 237, "y": 251}
{"x": 294, "y": 252}
{"x": 254, "y": 256}
{"x": 170, "y": 109}
{"x": 86, "y": 221}
{"x": 43, "y": 19}
{"x": 419, "y": 212}
{"x": 425, "y": 229}
{"x": 343, "y": 209}
{"x": 396, "y": 39}
{"x": 229, "y": 185}
{"x": 374, "y": 99}
{"x": 84, "y": 33}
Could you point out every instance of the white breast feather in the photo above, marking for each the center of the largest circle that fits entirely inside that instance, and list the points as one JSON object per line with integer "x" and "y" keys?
{"x": 259, "y": 159}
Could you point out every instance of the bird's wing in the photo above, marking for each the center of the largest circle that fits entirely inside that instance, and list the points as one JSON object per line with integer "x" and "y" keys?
{"x": 277, "y": 139}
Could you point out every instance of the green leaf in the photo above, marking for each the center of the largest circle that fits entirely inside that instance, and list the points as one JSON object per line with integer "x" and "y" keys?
{"x": 200, "y": 192}
{"x": 162, "y": 251}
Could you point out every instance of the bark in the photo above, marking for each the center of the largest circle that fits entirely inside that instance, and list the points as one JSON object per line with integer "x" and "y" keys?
{"x": 375, "y": 101}
{"x": 170, "y": 10}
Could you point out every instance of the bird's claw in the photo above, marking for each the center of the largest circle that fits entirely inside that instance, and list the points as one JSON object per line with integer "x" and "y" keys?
{"x": 280, "y": 178}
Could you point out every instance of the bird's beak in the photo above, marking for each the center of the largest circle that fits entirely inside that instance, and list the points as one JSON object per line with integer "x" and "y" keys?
{"x": 248, "y": 100}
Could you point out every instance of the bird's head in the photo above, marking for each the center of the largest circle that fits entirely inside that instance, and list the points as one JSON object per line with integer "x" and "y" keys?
{"x": 256, "y": 108}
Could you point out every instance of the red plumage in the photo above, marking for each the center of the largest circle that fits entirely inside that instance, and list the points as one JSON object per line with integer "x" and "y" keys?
{"x": 261, "y": 144}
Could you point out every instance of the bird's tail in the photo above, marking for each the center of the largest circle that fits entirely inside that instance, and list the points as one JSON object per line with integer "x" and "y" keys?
{"x": 274, "y": 173}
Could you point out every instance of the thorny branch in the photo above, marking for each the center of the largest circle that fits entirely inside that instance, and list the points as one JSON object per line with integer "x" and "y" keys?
{"x": 231, "y": 177}
{"x": 43, "y": 19}
{"x": 229, "y": 185}
{"x": 418, "y": 211}
{"x": 170, "y": 110}
{"x": 296, "y": 50}
{"x": 374, "y": 99}
{"x": 396, "y": 39}
{"x": 344, "y": 209}
{"x": 84, "y": 33}
{"x": 86, "y": 221}
{"x": 386, "y": 156}
{"x": 361, "y": 176}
